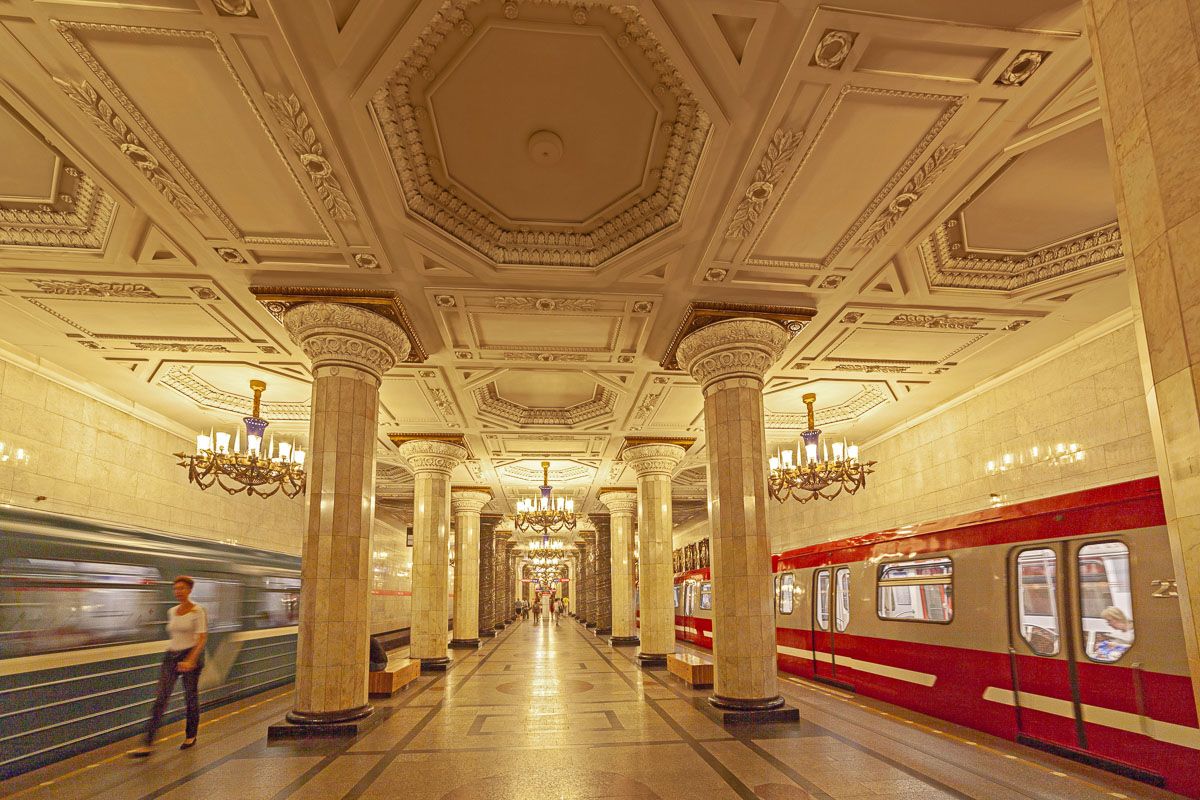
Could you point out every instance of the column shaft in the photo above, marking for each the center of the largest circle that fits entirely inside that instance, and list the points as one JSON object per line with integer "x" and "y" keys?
{"x": 466, "y": 505}
{"x": 604, "y": 609}
{"x": 431, "y": 462}
{"x": 487, "y": 577}
{"x": 621, "y": 504}
{"x": 350, "y": 349}
{"x": 1149, "y": 104}
{"x": 728, "y": 359}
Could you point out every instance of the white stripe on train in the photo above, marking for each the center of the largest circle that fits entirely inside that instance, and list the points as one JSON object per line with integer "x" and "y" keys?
{"x": 74, "y": 658}
{"x": 1168, "y": 732}
{"x": 899, "y": 673}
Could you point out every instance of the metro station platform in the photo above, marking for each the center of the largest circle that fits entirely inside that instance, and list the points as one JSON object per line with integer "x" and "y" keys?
{"x": 552, "y": 711}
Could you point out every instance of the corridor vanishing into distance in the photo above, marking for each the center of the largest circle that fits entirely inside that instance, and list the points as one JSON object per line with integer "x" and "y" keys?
{"x": 552, "y": 711}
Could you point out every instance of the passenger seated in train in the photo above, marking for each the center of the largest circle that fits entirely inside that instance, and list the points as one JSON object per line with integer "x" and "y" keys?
{"x": 1111, "y": 644}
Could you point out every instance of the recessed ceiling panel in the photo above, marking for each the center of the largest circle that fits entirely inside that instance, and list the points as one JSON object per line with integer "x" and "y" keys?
{"x": 906, "y": 345}
{"x": 537, "y": 389}
{"x": 560, "y": 332}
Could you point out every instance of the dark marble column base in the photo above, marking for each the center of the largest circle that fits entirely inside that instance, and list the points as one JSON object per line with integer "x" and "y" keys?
{"x": 624, "y": 641}
{"x": 319, "y": 725}
{"x": 739, "y": 711}
{"x": 464, "y": 644}
{"x": 590, "y": 625}
{"x": 651, "y": 660}
{"x": 435, "y": 664}
{"x": 603, "y": 631}
{"x": 487, "y": 632}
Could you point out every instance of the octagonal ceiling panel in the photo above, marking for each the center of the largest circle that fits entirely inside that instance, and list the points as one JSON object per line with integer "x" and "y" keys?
{"x": 545, "y": 389}
{"x": 585, "y": 107}
{"x": 547, "y": 134}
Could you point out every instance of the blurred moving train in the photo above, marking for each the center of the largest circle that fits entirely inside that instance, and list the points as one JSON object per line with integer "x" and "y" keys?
{"x": 1018, "y": 621}
{"x": 82, "y": 627}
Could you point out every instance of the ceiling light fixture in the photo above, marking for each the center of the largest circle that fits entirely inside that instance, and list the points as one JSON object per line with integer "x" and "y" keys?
{"x": 811, "y": 477}
{"x": 544, "y": 514}
{"x": 252, "y": 471}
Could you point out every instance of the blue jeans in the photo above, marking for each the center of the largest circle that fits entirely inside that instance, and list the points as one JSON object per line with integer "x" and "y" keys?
{"x": 167, "y": 674}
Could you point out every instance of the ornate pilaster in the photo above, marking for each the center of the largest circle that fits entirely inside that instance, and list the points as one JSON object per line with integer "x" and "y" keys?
{"x": 504, "y": 578}
{"x": 585, "y": 581}
{"x": 728, "y": 359}
{"x": 465, "y": 505}
{"x": 603, "y": 578}
{"x": 350, "y": 350}
{"x": 654, "y": 462}
{"x": 431, "y": 462}
{"x": 487, "y": 575}
{"x": 621, "y": 505}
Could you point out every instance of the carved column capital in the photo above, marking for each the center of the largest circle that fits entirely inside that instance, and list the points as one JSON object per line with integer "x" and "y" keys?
{"x": 334, "y": 334}
{"x": 619, "y": 501}
{"x": 467, "y": 499}
{"x": 653, "y": 458}
{"x": 431, "y": 455}
{"x": 739, "y": 348}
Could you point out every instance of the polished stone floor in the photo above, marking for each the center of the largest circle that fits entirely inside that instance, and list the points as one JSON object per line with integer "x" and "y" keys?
{"x": 551, "y": 711}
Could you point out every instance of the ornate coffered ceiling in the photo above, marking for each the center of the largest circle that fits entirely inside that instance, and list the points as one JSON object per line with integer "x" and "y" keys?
{"x": 539, "y": 189}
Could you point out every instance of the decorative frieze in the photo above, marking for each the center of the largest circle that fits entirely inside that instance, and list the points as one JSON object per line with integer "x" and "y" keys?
{"x": 543, "y": 304}
{"x": 916, "y": 186}
{"x": 87, "y": 288}
{"x": 779, "y": 152}
{"x": 304, "y": 142}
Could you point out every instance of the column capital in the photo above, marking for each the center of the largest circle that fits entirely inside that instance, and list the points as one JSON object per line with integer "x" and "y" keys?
{"x": 653, "y": 458}
{"x": 335, "y": 334}
{"x": 464, "y": 499}
{"x": 619, "y": 501}
{"x": 432, "y": 455}
{"x": 742, "y": 347}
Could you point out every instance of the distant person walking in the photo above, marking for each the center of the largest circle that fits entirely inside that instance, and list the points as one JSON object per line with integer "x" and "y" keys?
{"x": 537, "y": 609}
{"x": 187, "y": 626}
{"x": 559, "y": 610}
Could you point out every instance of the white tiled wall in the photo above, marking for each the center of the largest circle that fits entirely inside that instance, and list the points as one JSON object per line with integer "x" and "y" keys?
{"x": 91, "y": 459}
{"x": 1091, "y": 396}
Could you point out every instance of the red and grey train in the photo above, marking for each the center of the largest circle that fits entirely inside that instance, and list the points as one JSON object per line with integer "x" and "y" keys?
{"x": 1055, "y": 623}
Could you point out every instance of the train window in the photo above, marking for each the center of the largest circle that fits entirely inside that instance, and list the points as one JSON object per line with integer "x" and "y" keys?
{"x": 221, "y": 600}
{"x": 689, "y": 598}
{"x": 1106, "y": 600}
{"x": 917, "y": 591}
{"x": 841, "y": 611}
{"x": 1037, "y": 600}
{"x": 676, "y": 597}
{"x": 821, "y": 595}
{"x": 277, "y": 603}
{"x": 48, "y": 605}
{"x": 706, "y": 597}
{"x": 776, "y": 594}
{"x": 786, "y": 600}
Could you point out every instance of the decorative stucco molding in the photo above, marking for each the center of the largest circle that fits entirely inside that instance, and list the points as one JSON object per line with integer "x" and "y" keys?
{"x": 332, "y": 334}
{"x": 734, "y": 348}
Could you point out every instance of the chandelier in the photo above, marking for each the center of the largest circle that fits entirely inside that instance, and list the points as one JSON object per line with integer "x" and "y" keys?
{"x": 547, "y": 576}
{"x": 251, "y": 471}
{"x": 544, "y": 514}
{"x": 811, "y": 476}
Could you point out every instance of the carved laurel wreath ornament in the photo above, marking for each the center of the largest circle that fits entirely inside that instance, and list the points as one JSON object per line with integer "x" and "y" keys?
{"x": 770, "y": 169}
{"x": 303, "y": 139}
{"x": 916, "y": 186}
{"x": 114, "y": 128}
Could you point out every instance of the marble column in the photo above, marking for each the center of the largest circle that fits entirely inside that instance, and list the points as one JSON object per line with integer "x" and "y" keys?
{"x": 653, "y": 463}
{"x": 350, "y": 350}
{"x": 621, "y": 505}
{"x": 569, "y": 588}
{"x": 465, "y": 505}
{"x": 506, "y": 597}
{"x": 431, "y": 462}
{"x": 500, "y": 539}
{"x": 603, "y": 577}
{"x": 728, "y": 360}
{"x": 583, "y": 581}
{"x": 487, "y": 575}
{"x": 1146, "y": 65}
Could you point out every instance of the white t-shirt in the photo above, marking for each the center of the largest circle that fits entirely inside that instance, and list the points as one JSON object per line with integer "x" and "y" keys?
{"x": 185, "y": 630}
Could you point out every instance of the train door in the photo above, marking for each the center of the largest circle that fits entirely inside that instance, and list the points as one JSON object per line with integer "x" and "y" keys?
{"x": 830, "y": 617}
{"x": 1071, "y": 612}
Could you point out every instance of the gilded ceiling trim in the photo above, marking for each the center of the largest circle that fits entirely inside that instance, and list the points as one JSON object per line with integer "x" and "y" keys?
{"x": 278, "y": 299}
{"x": 67, "y": 29}
{"x": 701, "y": 314}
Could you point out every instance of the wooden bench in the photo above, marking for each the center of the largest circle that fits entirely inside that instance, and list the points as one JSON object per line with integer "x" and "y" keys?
{"x": 695, "y": 671}
{"x": 400, "y": 672}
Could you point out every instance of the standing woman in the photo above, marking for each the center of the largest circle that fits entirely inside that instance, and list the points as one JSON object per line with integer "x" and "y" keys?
{"x": 187, "y": 625}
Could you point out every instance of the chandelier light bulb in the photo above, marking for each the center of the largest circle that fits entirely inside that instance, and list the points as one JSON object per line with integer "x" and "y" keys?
{"x": 222, "y": 442}
{"x": 203, "y": 443}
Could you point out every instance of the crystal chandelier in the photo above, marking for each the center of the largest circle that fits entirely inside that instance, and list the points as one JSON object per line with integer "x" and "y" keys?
{"x": 544, "y": 514}
{"x": 811, "y": 476}
{"x": 252, "y": 471}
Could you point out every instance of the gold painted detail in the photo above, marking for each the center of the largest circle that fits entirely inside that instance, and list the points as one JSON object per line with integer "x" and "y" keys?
{"x": 701, "y": 314}
{"x": 855, "y": 367}
{"x": 935, "y": 321}
{"x": 544, "y": 304}
{"x": 916, "y": 186}
{"x": 303, "y": 139}
{"x": 1022, "y": 67}
{"x": 831, "y": 51}
{"x": 83, "y": 287}
{"x": 116, "y": 131}
{"x": 780, "y": 151}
